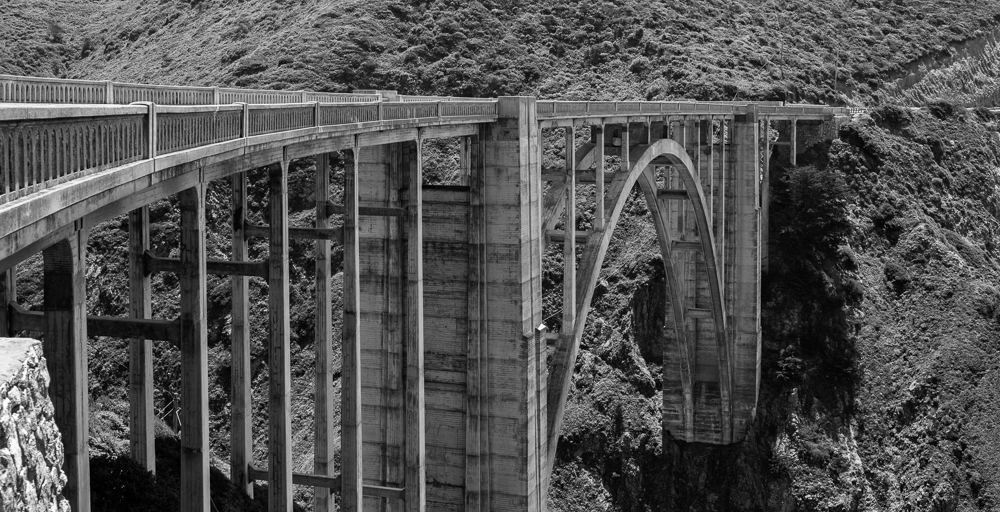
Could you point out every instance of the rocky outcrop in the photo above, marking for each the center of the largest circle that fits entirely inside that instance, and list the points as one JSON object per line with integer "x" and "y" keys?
{"x": 31, "y": 450}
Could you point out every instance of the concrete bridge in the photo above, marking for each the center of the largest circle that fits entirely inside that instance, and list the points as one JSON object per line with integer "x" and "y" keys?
{"x": 453, "y": 390}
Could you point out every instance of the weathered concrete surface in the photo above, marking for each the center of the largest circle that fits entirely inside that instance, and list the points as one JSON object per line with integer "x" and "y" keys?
{"x": 31, "y": 450}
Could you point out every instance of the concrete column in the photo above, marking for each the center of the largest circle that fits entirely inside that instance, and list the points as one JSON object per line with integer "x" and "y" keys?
{"x": 65, "y": 347}
{"x": 8, "y": 294}
{"x": 512, "y": 190}
{"x": 765, "y": 191}
{"x": 793, "y": 153}
{"x": 743, "y": 280}
{"x": 351, "y": 429}
{"x": 464, "y": 159}
{"x": 241, "y": 445}
{"x": 279, "y": 438}
{"x": 416, "y": 481}
{"x": 599, "y": 220}
{"x": 194, "y": 353}
{"x": 141, "y": 435}
{"x": 326, "y": 447}
{"x": 382, "y": 260}
{"x": 477, "y": 451}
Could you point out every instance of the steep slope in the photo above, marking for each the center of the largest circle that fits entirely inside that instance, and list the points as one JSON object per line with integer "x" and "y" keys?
{"x": 929, "y": 199}
{"x": 703, "y": 49}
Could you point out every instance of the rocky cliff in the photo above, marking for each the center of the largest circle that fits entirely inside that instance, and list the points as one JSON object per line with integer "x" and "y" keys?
{"x": 31, "y": 451}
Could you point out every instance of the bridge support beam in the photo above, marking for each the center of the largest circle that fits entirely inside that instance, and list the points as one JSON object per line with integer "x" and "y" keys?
{"x": 325, "y": 448}
{"x": 241, "y": 444}
{"x": 511, "y": 193}
{"x": 382, "y": 263}
{"x": 8, "y": 294}
{"x": 65, "y": 346}
{"x": 194, "y": 353}
{"x": 416, "y": 471}
{"x": 351, "y": 430}
{"x": 279, "y": 439}
{"x": 743, "y": 257}
{"x": 141, "y": 435}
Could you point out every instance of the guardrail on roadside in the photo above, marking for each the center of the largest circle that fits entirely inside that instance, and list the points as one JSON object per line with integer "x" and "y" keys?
{"x": 23, "y": 89}
{"x": 43, "y": 145}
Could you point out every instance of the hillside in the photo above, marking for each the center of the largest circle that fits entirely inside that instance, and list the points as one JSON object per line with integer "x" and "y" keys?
{"x": 881, "y": 305}
{"x": 704, "y": 49}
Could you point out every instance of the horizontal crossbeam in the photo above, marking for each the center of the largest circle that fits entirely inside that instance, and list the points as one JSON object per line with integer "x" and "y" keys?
{"x": 687, "y": 245}
{"x": 332, "y": 234}
{"x": 330, "y": 482}
{"x": 587, "y": 176}
{"x": 672, "y": 194}
{"x": 700, "y": 313}
{"x": 218, "y": 267}
{"x": 114, "y": 327}
{"x": 559, "y": 236}
{"x": 369, "y": 211}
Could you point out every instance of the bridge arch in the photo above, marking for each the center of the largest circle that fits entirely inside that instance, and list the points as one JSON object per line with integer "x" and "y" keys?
{"x": 665, "y": 152}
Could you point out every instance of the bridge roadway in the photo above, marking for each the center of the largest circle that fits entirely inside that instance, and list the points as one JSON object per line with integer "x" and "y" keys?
{"x": 453, "y": 390}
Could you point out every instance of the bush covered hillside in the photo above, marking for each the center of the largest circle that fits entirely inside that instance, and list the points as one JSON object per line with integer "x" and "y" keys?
{"x": 831, "y": 51}
{"x": 882, "y": 300}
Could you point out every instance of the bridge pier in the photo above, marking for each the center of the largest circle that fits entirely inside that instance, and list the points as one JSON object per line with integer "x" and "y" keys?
{"x": 323, "y": 413}
{"x": 744, "y": 252}
{"x": 194, "y": 352}
{"x": 65, "y": 346}
{"x": 241, "y": 442}
{"x": 383, "y": 326}
{"x": 279, "y": 438}
{"x": 512, "y": 195}
{"x": 141, "y": 416}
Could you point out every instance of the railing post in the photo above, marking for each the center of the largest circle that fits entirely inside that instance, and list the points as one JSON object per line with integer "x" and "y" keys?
{"x": 109, "y": 89}
{"x": 245, "y": 129}
{"x": 439, "y": 110}
{"x": 151, "y": 135}
{"x": 302, "y": 96}
{"x": 316, "y": 114}
{"x": 216, "y": 97}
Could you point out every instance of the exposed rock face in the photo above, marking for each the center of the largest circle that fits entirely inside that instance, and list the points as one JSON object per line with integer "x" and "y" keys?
{"x": 31, "y": 450}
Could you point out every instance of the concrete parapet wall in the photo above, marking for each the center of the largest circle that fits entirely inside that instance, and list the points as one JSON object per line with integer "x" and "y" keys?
{"x": 31, "y": 450}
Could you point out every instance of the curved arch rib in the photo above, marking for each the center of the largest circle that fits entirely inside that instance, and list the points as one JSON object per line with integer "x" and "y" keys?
{"x": 593, "y": 256}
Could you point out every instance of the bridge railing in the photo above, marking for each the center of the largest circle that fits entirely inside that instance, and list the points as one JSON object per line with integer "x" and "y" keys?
{"x": 802, "y": 110}
{"x": 411, "y": 99}
{"x": 562, "y": 109}
{"x": 23, "y": 89}
{"x": 553, "y": 109}
{"x": 43, "y": 145}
